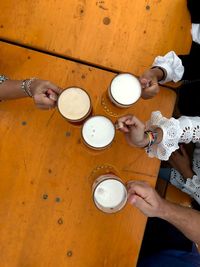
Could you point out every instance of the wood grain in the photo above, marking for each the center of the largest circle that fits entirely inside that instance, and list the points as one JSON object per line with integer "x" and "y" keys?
{"x": 47, "y": 216}
{"x": 121, "y": 35}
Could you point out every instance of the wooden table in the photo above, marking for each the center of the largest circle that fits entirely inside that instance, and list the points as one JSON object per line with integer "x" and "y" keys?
{"x": 120, "y": 35}
{"x": 47, "y": 216}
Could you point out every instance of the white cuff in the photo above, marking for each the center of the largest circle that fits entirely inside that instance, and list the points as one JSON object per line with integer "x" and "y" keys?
{"x": 173, "y": 66}
{"x": 195, "y": 31}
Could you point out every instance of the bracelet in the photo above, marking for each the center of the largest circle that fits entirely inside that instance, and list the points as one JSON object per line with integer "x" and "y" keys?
{"x": 163, "y": 72}
{"x": 3, "y": 78}
{"x": 152, "y": 136}
{"x": 26, "y": 86}
{"x": 23, "y": 87}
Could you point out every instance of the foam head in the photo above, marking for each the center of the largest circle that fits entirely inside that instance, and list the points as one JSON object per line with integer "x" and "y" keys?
{"x": 125, "y": 89}
{"x": 110, "y": 195}
{"x": 98, "y": 132}
{"x": 74, "y": 104}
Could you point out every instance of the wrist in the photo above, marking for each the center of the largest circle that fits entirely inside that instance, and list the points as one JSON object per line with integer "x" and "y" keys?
{"x": 144, "y": 142}
{"x": 30, "y": 86}
{"x": 151, "y": 139}
{"x": 160, "y": 73}
{"x": 164, "y": 210}
{"x": 188, "y": 173}
{"x": 159, "y": 135}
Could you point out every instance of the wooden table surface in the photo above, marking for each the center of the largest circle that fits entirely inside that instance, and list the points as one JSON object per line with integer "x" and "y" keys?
{"x": 121, "y": 35}
{"x": 47, "y": 216}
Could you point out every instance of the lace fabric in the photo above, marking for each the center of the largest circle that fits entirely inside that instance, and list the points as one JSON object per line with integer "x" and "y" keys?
{"x": 175, "y": 131}
{"x": 189, "y": 132}
{"x": 190, "y": 186}
{"x": 171, "y": 135}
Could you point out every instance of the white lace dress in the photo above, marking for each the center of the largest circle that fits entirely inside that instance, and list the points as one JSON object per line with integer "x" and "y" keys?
{"x": 175, "y": 131}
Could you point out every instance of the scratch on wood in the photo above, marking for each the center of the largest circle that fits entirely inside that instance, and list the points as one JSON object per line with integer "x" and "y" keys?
{"x": 50, "y": 118}
{"x": 25, "y": 165}
{"x": 70, "y": 202}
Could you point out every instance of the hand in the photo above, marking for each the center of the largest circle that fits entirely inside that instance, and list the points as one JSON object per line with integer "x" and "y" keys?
{"x": 149, "y": 82}
{"x": 45, "y": 93}
{"x": 134, "y": 130}
{"x": 146, "y": 199}
{"x": 180, "y": 161}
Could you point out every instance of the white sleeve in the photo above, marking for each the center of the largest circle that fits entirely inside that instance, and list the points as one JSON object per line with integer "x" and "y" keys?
{"x": 190, "y": 186}
{"x": 196, "y": 168}
{"x": 173, "y": 66}
{"x": 175, "y": 131}
{"x": 195, "y": 31}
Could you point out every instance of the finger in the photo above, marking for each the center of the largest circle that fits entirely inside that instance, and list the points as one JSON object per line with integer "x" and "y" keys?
{"x": 134, "y": 121}
{"x": 125, "y": 118}
{"x": 124, "y": 129}
{"x": 152, "y": 90}
{"x": 54, "y": 88}
{"x": 175, "y": 154}
{"x": 172, "y": 161}
{"x": 121, "y": 126}
{"x": 140, "y": 188}
{"x": 52, "y": 95}
{"x": 134, "y": 182}
{"x": 144, "y": 82}
{"x": 183, "y": 151}
{"x": 131, "y": 189}
{"x": 42, "y": 99}
{"x": 122, "y": 122}
{"x": 139, "y": 203}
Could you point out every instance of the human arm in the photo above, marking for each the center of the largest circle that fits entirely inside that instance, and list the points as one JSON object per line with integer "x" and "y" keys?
{"x": 147, "y": 200}
{"x": 181, "y": 162}
{"x": 134, "y": 131}
{"x": 44, "y": 93}
{"x": 170, "y": 132}
{"x": 185, "y": 175}
{"x": 164, "y": 69}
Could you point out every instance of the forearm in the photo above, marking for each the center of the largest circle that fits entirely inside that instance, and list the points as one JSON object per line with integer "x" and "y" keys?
{"x": 11, "y": 89}
{"x": 185, "y": 219}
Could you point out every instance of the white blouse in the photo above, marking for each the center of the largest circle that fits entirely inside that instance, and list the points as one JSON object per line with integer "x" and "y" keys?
{"x": 172, "y": 63}
{"x": 183, "y": 130}
{"x": 175, "y": 131}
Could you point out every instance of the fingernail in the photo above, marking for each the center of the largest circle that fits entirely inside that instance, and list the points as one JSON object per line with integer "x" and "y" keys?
{"x": 52, "y": 97}
{"x": 147, "y": 85}
{"x": 119, "y": 125}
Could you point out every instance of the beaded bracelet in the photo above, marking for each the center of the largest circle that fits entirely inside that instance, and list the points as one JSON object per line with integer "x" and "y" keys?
{"x": 152, "y": 136}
